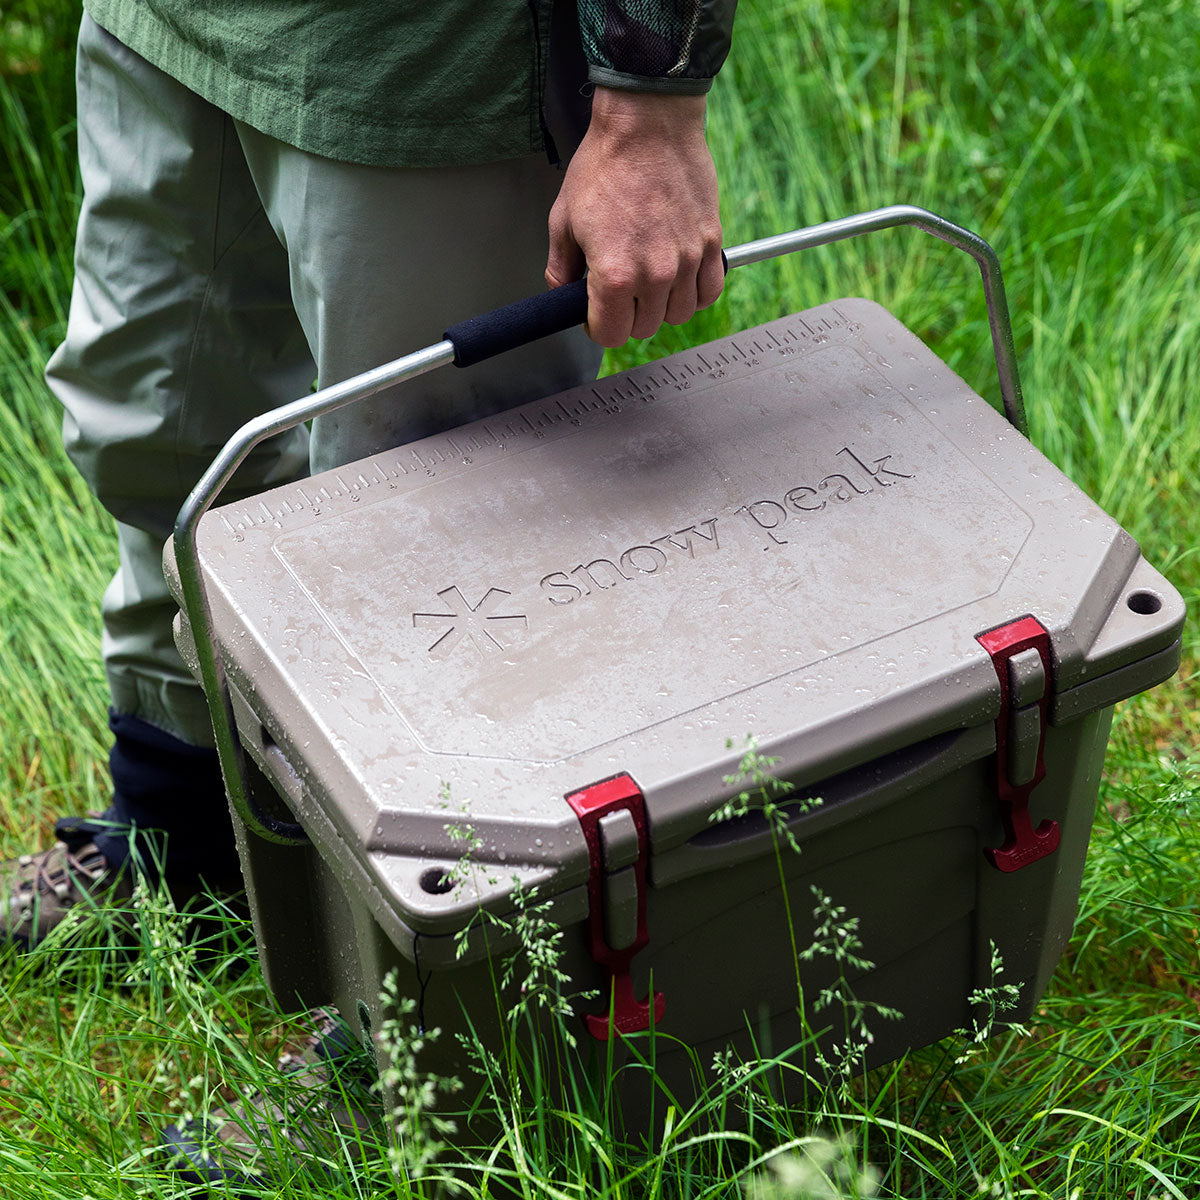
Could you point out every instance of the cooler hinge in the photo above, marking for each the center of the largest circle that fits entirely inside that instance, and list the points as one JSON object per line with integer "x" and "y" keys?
{"x": 612, "y": 814}
{"x": 1020, "y": 652}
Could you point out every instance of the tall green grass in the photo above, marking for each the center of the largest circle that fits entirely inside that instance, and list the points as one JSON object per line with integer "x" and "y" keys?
{"x": 55, "y": 545}
{"x": 1062, "y": 132}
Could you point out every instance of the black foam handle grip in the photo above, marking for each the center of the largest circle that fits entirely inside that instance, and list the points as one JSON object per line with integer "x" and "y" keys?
{"x": 522, "y": 322}
{"x": 518, "y": 323}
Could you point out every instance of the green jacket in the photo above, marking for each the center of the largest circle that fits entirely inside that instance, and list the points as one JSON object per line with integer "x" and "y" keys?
{"x": 415, "y": 82}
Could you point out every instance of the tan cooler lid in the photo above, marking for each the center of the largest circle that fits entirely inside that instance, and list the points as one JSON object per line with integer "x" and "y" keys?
{"x": 796, "y": 532}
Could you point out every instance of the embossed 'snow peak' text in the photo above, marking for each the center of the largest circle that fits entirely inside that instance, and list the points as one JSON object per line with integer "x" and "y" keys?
{"x": 856, "y": 478}
{"x": 489, "y": 624}
{"x": 646, "y": 558}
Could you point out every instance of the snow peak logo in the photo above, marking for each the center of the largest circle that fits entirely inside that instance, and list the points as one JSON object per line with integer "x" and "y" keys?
{"x": 857, "y": 478}
{"x": 646, "y": 558}
{"x": 490, "y": 624}
{"x": 479, "y": 625}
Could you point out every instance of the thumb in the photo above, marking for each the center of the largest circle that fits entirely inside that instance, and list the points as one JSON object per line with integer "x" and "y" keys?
{"x": 565, "y": 262}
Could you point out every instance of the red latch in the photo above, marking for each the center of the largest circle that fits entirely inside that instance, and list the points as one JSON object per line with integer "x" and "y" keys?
{"x": 1022, "y": 843}
{"x": 591, "y": 805}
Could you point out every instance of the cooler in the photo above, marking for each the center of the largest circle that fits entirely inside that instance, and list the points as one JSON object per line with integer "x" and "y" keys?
{"x": 543, "y": 639}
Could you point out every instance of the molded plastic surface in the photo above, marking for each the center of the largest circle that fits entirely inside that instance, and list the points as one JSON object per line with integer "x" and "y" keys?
{"x": 797, "y": 532}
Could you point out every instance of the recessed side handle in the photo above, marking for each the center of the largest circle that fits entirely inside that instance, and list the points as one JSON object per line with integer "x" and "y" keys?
{"x": 850, "y": 795}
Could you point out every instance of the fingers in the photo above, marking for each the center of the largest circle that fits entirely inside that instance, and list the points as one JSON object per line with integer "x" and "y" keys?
{"x": 681, "y": 303}
{"x": 710, "y": 279}
{"x": 622, "y": 304}
{"x": 565, "y": 262}
{"x": 612, "y": 305}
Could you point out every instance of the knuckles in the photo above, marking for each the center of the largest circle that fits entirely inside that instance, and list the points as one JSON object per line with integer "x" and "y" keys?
{"x": 615, "y": 281}
{"x": 660, "y": 276}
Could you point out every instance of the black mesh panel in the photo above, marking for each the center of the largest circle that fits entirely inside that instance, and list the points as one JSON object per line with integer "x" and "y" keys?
{"x": 640, "y": 37}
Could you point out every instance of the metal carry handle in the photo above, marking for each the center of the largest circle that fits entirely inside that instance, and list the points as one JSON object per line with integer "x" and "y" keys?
{"x": 523, "y": 321}
{"x": 526, "y": 321}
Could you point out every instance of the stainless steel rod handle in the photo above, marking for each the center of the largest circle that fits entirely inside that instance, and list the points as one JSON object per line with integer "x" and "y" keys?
{"x": 230, "y": 752}
{"x": 963, "y": 239}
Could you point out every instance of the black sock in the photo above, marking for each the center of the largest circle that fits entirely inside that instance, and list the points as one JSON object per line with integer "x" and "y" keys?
{"x": 164, "y": 786}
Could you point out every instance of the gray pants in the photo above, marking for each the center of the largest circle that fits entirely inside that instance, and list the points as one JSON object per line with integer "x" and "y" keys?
{"x": 217, "y": 271}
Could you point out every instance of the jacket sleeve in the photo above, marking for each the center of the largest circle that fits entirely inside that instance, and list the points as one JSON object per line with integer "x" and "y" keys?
{"x": 672, "y": 46}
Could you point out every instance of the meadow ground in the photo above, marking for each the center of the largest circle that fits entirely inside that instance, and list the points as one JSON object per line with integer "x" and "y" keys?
{"x": 1062, "y": 132}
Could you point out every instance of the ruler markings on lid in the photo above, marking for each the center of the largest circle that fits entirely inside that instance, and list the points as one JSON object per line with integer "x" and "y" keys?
{"x": 759, "y": 348}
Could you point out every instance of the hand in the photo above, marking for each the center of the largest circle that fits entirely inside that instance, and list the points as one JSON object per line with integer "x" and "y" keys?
{"x": 638, "y": 207}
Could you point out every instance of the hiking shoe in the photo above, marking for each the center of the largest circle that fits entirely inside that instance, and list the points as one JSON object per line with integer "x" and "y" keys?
{"x": 321, "y": 1104}
{"x": 38, "y": 891}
